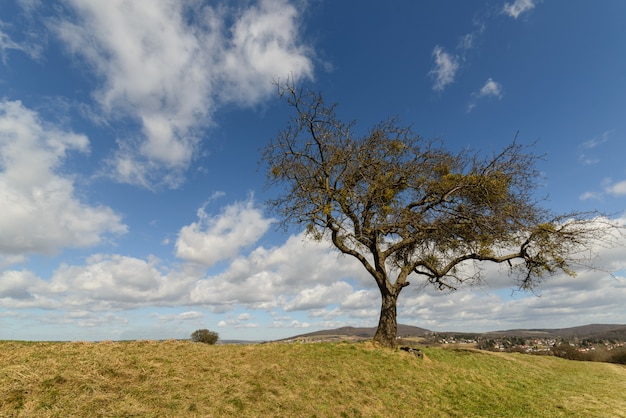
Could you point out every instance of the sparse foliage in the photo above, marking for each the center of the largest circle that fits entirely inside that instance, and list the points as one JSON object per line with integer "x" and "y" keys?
{"x": 204, "y": 336}
{"x": 406, "y": 206}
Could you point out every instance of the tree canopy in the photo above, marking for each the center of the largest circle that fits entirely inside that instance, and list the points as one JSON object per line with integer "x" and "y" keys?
{"x": 406, "y": 206}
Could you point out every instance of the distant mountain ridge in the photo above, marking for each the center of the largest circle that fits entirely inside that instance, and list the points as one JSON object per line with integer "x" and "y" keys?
{"x": 365, "y": 332}
{"x": 596, "y": 331}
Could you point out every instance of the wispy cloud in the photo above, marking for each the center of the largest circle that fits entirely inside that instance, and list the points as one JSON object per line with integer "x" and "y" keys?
{"x": 598, "y": 140}
{"x": 32, "y": 49}
{"x": 447, "y": 65}
{"x": 469, "y": 40}
{"x": 445, "y": 69}
{"x": 518, "y": 7}
{"x": 590, "y": 196}
{"x": 591, "y": 144}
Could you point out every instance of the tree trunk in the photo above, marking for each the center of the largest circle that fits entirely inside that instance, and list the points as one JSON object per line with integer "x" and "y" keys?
{"x": 387, "y": 324}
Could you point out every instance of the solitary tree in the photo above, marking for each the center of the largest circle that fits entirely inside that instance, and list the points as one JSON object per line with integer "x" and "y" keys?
{"x": 406, "y": 206}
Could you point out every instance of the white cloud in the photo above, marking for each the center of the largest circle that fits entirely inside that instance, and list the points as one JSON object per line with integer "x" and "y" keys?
{"x": 169, "y": 64}
{"x": 186, "y": 316}
{"x": 213, "y": 239}
{"x": 609, "y": 187}
{"x": 309, "y": 278}
{"x": 119, "y": 282}
{"x": 40, "y": 210}
{"x": 590, "y": 196}
{"x": 244, "y": 317}
{"x": 17, "y": 284}
{"x": 262, "y": 47}
{"x": 242, "y": 321}
{"x": 491, "y": 88}
{"x": 617, "y": 189}
{"x": 274, "y": 277}
{"x": 288, "y": 323}
{"x": 518, "y": 7}
{"x": 319, "y": 296}
{"x": 106, "y": 319}
{"x": 446, "y": 67}
{"x": 361, "y": 299}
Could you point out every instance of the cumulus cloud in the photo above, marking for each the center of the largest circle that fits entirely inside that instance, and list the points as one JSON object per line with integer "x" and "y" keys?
{"x": 119, "y": 282}
{"x": 263, "y": 46}
{"x": 306, "y": 278}
{"x": 241, "y": 321}
{"x": 18, "y": 285}
{"x": 41, "y": 212}
{"x": 361, "y": 299}
{"x": 217, "y": 238}
{"x": 319, "y": 296}
{"x": 269, "y": 278}
{"x": 518, "y": 7}
{"x": 170, "y": 64}
{"x": 445, "y": 69}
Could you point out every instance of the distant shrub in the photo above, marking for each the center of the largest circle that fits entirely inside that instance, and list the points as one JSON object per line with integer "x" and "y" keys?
{"x": 618, "y": 356}
{"x": 204, "y": 336}
{"x": 569, "y": 352}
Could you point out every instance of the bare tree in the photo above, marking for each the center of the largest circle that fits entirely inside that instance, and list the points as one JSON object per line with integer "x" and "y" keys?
{"x": 406, "y": 206}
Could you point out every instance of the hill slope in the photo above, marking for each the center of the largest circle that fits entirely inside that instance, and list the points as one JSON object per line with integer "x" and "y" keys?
{"x": 180, "y": 378}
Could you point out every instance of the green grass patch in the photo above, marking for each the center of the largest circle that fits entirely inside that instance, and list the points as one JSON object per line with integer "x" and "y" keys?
{"x": 179, "y": 378}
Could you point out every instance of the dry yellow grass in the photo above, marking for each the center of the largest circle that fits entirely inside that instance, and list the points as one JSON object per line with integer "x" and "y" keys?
{"x": 179, "y": 378}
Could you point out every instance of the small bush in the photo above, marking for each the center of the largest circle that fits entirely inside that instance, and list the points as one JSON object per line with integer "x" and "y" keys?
{"x": 618, "y": 356}
{"x": 204, "y": 336}
{"x": 569, "y": 352}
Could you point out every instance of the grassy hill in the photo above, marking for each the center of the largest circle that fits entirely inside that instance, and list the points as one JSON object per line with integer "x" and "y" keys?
{"x": 180, "y": 378}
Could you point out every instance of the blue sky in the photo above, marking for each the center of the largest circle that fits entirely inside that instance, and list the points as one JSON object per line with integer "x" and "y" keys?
{"x": 131, "y": 200}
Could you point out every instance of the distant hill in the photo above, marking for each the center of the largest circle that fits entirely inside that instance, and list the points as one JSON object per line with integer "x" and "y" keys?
{"x": 596, "y": 331}
{"x": 364, "y": 332}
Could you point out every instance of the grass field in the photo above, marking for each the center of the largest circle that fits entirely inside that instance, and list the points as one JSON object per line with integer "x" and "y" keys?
{"x": 179, "y": 378}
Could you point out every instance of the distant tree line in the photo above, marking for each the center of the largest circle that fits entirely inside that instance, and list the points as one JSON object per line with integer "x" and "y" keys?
{"x": 611, "y": 350}
{"x": 615, "y": 355}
